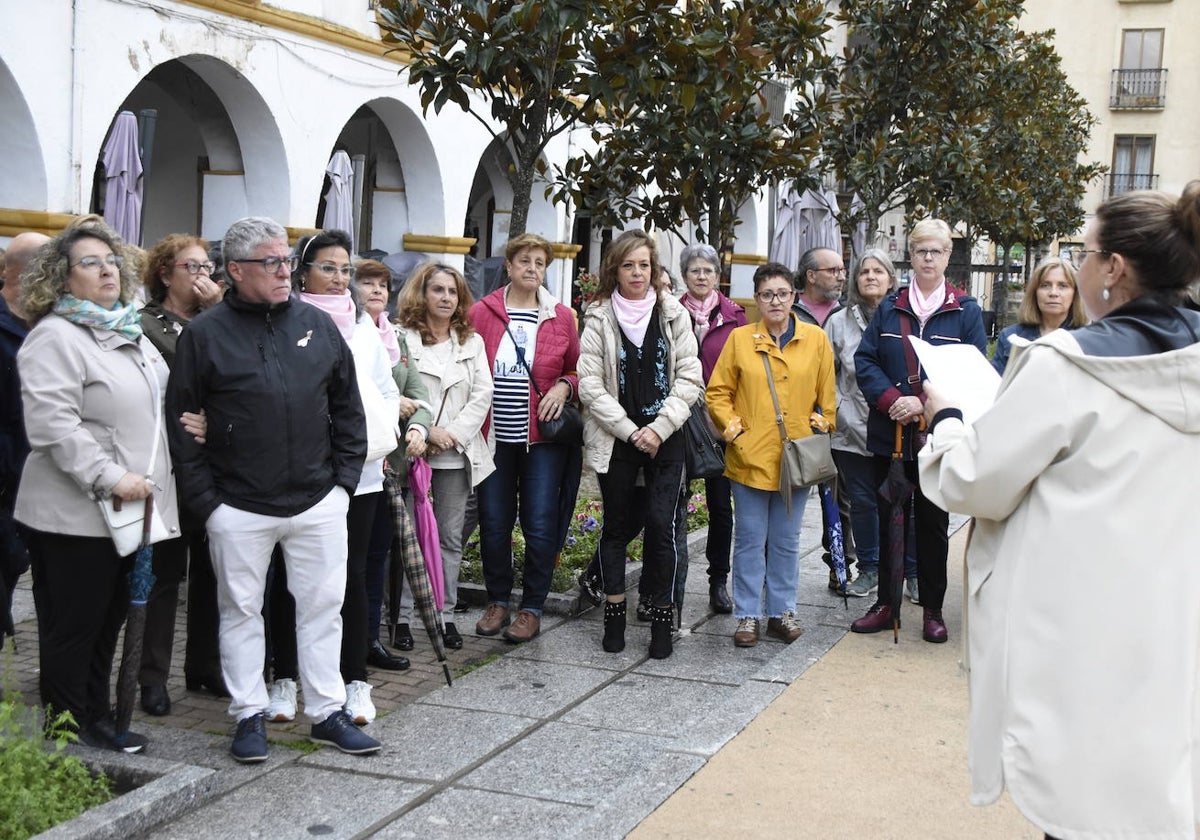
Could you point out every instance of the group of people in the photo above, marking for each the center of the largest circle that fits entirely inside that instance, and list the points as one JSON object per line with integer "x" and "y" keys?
{"x": 272, "y": 423}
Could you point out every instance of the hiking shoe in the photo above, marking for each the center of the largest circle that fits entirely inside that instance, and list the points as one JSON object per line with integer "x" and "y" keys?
{"x": 911, "y": 590}
{"x": 339, "y": 731}
{"x": 865, "y": 584}
{"x": 495, "y": 618}
{"x": 358, "y": 702}
{"x": 524, "y": 628}
{"x": 250, "y": 741}
{"x": 785, "y": 627}
{"x": 281, "y": 704}
{"x": 746, "y": 634}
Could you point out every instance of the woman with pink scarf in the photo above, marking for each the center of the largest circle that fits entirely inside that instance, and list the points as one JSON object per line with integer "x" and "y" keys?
{"x": 890, "y": 379}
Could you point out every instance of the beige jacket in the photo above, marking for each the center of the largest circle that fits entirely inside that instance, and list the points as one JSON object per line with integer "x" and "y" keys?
{"x": 466, "y": 385}
{"x": 1083, "y": 588}
{"x": 89, "y": 398}
{"x": 599, "y": 353}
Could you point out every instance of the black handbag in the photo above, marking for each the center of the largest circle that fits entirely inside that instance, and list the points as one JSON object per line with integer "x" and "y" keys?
{"x": 567, "y": 427}
{"x": 703, "y": 453}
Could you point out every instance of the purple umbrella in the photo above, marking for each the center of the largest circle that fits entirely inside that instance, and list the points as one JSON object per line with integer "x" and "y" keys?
{"x": 420, "y": 476}
{"x": 895, "y": 492}
{"x": 123, "y": 174}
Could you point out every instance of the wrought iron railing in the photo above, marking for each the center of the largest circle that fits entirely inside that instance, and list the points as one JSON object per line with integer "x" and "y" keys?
{"x": 1116, "y": 183}
{"x": 1138, "y": 89}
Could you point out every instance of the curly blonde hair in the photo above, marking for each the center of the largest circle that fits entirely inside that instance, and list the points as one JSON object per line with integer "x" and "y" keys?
{"x": 45, "y": 281}
{"x": 160, "y": 260}
{"x": 412, "y": 312}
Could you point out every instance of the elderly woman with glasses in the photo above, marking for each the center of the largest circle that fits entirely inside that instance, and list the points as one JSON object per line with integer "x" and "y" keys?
{"x": 92, "y": 389}
{"x": 323, "y": 279}
{"x": 781, "y": 356}
{"x": 177, "y": 279}
{"x": 890, "y": 378}
{"x": 1050, "y": 302}
{"x": 714, "y": 318}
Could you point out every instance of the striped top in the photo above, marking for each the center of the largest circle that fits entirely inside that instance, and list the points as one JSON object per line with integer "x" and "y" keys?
{"x": 510, "y": 404}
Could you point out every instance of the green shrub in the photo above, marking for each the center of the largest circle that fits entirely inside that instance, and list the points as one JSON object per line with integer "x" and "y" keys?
{"x": 40, "y": 785}
{"x": 583, "y": 535}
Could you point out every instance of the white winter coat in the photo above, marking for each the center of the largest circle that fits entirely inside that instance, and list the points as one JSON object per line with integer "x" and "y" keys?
{"x": 599, "y": 355}
{"x": 1083, "y": 588}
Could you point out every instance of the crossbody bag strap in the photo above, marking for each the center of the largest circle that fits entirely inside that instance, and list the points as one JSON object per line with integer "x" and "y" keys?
{"x": 521, "y": 358}
{"x": 910, "y": 357}
{"x": 774, "y": 397}
{"x": 156, "y": 390}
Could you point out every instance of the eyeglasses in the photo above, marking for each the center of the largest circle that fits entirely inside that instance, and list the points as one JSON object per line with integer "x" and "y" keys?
{"x": 1078, "y": 255}
{"x": 115, "y": 260}
{"x": 771, "y": 297}
{"x": 329, "y": 269}
{"x": 194, "y": 267}
{"x": 929, "y": 253}
{"x": 271, "y": 264}
{"x": 701, "y": 272}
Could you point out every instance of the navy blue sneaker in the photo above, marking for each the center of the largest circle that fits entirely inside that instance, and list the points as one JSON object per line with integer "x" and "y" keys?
{"x": 250, "y": 741}
{"x": 339, "y": 731}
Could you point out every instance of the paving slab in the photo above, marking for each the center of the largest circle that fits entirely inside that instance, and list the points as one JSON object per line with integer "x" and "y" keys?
{"x": 297, "y": 802}
{"x": 578, "y": 643}
{"x": 524, "y": 686}
{"x": 473, "y": 814}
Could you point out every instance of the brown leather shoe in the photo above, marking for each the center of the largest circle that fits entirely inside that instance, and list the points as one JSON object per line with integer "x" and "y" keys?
{"x": 877, "y": 619}
{"x": 746, "y": 634}
{"x": 524, "y": 628}
{"x": 495, "y": 619}
{"x": 785, "y": 628}
{"x": 934, "y": 629}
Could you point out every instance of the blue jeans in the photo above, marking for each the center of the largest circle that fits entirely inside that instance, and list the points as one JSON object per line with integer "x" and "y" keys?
{"x": 857, "y": 474}
{"x": 766, "y": 551}
{"x": 534, "y": 477}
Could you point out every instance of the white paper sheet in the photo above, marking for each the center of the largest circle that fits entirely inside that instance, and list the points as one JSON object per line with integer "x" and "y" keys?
{"x": 963, "y": 375}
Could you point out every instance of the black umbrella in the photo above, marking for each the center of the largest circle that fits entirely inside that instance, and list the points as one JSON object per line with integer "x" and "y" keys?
{"x": 407, "y": 549}
{"x": 141, "y": 581}
{"x": 895, "y": 491}
{"x": 14, "y": 560}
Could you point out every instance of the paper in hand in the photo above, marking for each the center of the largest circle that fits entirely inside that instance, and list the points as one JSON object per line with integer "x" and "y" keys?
{"x": 961, "y": 373}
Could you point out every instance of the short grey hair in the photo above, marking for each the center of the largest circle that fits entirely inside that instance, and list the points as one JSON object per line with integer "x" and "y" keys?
{"x": 880, "y": 257}
{"x": 808, "y": 262}
{"x": 246, "y": 234}
{"x": 699, "y": 251}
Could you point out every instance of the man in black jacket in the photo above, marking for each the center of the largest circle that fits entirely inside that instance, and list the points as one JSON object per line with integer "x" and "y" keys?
{"x": 286, "y": 440}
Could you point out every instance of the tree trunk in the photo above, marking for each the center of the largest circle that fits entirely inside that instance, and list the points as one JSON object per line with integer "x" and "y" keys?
{"x": 1000, "y": 292}
{"x": 520, "y": 178}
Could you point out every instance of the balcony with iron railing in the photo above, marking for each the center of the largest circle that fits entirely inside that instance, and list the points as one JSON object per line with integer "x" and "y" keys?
{"x": 1116, "y": 183}
{"x": 1135, "y": 90}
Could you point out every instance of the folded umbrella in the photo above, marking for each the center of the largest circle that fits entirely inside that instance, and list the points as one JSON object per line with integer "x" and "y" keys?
{"x": 420, "y": 477}
{"x": 895, "y": 491}
{"x": 141, "y": 581}
{"x": 833, "y": 531}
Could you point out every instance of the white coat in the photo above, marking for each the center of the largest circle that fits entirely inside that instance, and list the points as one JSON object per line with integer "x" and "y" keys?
{"x": 1083, "y": 588}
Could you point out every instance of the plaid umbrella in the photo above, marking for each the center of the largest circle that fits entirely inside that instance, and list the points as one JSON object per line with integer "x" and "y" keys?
{"x": 833, "y": 530}
{"x": 141, "y": 580}
{"x": 895, "y": 491}
{"x": 406, "y": 548}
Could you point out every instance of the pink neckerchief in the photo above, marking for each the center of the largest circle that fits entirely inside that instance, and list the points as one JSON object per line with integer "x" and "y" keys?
{"x": 388, "y": 333}
{"x": 633, "y": 316}
{"x": 338, "y": 307}
{"x": 701, "y": 310}
{"x": 926, "y": 306}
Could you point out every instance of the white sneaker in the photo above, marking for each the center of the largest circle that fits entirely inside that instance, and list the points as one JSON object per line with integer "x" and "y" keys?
{"x": 281, "y": 707}
{"x": 358, "y": 703}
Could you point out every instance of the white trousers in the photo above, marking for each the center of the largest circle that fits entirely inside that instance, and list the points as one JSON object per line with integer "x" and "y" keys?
{"x": 314, "y": 550}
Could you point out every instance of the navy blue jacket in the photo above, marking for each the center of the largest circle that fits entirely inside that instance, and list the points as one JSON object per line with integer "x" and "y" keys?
{"x": 1029, "y": 332}
{"x": 882, "y": 367}
{"x": 13, "y": 444}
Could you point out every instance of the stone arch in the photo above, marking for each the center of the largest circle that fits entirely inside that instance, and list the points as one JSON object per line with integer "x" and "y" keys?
{"x": 23, "y": 184}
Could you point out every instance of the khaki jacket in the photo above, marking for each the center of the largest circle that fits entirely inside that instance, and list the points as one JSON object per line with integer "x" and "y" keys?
{"x": 599, "y": 354}
{"x": 89, "y": 398}
{"x": 804, "y": 380}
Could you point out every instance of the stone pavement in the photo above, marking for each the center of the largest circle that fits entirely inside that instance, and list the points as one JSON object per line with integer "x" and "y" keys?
{"x": 551, "y": 738}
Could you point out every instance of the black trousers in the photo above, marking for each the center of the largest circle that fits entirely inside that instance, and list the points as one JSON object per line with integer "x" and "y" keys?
{"x": 360, "y": 519}
{"x": 81, "y": 594}
{"x": 203, "y": 656}
{"x": 719, "y": 498}
{"x": 663, "y": 515}
{"x": 930, "y": 523}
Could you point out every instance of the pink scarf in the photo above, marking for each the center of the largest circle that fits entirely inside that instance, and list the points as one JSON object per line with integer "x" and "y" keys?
{"x": 388, "y": 333}
{"x": 701, "y": 311}
{"x": 926, "y": 306}
{"x": 634, "y": 315}
{"x": 338, "y": 307}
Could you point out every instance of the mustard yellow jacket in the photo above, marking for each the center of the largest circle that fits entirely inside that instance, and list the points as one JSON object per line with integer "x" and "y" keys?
{"x": 804, "y": 380}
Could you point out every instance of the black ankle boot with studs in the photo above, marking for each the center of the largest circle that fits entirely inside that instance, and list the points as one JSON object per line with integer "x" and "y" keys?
{"x": 662, "y": 624}
{"x": 614, "y": 626}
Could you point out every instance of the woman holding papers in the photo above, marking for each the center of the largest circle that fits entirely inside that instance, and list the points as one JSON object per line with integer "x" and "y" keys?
{"x": 1050, "y": 302}
{"x": 890, "y": 378}
{"x": 1078, "y": 477}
